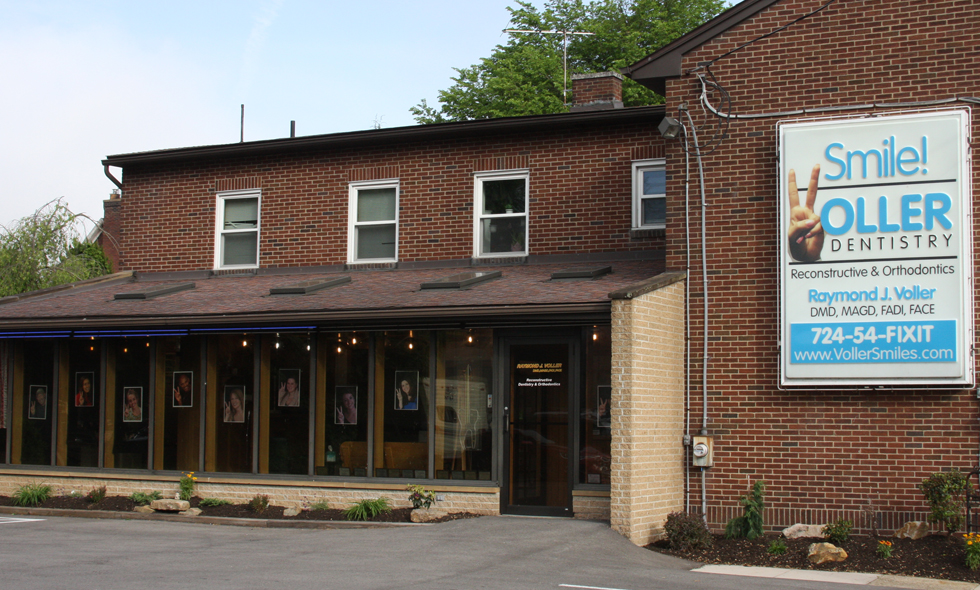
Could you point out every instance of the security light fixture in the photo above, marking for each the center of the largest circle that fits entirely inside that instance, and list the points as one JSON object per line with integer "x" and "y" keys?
{"x": 669, "y": 127}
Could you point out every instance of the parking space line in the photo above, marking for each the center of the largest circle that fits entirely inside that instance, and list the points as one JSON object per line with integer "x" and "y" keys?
{"x": 12, "y": 520}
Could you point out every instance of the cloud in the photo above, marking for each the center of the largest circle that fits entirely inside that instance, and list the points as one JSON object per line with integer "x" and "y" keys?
{"x": 266, "y": 16}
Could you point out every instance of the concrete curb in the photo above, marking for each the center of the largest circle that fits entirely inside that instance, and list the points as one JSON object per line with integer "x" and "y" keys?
{"x": 837, "y": 577}
{"x": 210, "y": 520}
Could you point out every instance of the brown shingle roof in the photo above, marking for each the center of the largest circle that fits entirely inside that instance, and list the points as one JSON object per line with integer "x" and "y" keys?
{"x": 370, "y": 296}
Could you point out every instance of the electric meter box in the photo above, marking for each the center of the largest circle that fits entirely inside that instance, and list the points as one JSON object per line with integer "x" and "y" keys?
{"x": 702, "y": 450}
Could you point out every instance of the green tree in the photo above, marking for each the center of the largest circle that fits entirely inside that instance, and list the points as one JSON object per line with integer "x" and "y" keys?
{"x": 44, "y": 249}
{"x": 525, "y": 77}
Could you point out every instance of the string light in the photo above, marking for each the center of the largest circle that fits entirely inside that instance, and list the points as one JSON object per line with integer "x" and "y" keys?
{"x": 338, "y": 350}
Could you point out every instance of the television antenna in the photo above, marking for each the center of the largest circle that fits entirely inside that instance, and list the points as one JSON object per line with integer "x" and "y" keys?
{"x": 564, "y": 51}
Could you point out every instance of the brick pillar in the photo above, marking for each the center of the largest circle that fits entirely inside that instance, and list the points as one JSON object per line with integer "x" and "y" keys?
{"x": 596, "y": 92}
{"x": 109, "y": 239}
{"x": 647, "y": 414}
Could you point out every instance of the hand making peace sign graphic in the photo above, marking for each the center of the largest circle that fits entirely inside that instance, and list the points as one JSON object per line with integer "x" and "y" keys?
{"x": 805, "y": 231}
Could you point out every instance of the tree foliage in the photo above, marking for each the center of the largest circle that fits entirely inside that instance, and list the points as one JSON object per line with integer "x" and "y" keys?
{"x": 524, "y": 76}
{"x": 44, "y": 249}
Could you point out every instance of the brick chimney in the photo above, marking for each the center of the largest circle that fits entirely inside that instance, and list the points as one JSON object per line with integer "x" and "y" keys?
{"x": 109, "y": 238}
{"x": 596, "y": 92}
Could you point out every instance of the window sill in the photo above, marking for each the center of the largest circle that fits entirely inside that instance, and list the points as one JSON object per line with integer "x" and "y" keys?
{"x": 647, "y": 232}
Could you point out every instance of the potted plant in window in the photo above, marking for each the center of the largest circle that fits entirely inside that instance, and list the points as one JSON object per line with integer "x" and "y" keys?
{"x": 516, "y": 241}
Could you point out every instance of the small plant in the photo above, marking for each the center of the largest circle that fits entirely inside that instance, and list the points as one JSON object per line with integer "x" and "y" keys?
{"x": 322, "y": 505}
{"x": 687, "y": 531}
{"x": 75, "y": 494}
{"x": 96, "y": 495}
{"x": 838, "y": 532}
{"x": 972, "y": 550}
{"x": 749, "y": 525}
{"x": 777, "y": 547}
{"x": 367, "y": 509}
{"x": 945, "y": 493}
{"x": 32, "y": 494}
{"x": 884, "y": 549}
{"x": 212, "y": 502}
{"x": 187, "y": 485}
{"x": 421, "y": 497}
{"x": 259, "y": 503}
{"x": 145, "y": 498}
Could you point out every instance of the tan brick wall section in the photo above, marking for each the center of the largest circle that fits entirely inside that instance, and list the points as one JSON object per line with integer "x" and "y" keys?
{"x": 287, "y": 493}
{"x": 648, "y": 412}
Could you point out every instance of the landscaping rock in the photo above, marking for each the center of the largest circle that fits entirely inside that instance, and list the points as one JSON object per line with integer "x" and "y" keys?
{"x": 798, "y": 531}
{"x": 428, "y": 514}
{"x": 190, "y": 512}
{"x": 170, "y": 505}
{"x": 915, "y": 529}
{"x": 290, "y": 512}
{"x": 823, "y": 552}
{"x": 144, "y": 510}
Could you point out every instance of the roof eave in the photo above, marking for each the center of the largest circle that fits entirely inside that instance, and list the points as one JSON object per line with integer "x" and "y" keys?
{"x": 388, "y": 136}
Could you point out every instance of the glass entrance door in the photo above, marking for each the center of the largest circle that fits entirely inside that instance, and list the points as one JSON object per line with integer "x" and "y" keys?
{"x": 538, "y": 429}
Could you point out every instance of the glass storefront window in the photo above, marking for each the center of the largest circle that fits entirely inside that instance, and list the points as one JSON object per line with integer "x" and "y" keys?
{"x": 81, "y": 435}
{"x": 343, "y": 408}
{"x": 127, "y": 404}
{"x": 231, "y": 366}
{"x": 178, "y": 403}
{"x": 463, "y": 414}
{"x": 35, "y": 402}
{"x": 402, "y": 405}
{"x": 285, "y": 405}
{"x": 594, "y": 422}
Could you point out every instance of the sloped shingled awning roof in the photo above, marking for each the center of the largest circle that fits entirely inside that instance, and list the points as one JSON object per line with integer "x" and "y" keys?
{"x": 522, "y": 295}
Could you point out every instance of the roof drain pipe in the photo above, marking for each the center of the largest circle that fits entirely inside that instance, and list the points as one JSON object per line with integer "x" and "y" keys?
{"x": 704, "y": 294}
{"x": 687, "y": 316}
{"x": 109, "y": 175}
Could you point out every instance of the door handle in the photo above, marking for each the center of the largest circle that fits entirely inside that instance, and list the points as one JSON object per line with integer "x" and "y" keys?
{"x": 506, "y": 419}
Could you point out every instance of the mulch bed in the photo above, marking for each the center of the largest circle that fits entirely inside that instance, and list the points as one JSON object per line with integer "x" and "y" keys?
{"x": 124, "y": 504}
{"x": 935, "y": 556}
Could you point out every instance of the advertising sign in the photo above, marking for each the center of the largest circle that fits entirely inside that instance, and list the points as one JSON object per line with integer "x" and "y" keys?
{"x": 876, "y": 251}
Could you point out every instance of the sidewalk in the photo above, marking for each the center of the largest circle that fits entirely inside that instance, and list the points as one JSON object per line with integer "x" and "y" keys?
{"x": 837, "y": 577}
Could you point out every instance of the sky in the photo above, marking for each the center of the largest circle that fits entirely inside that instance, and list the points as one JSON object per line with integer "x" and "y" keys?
{"x": 81, "y": 80}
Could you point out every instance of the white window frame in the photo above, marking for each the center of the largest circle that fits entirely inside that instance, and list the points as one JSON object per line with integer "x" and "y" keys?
{"x": 478, "y": 179}
{"x": 353, "y": 224}
{"x": 639, "y": 167}
{"x": 219, "y": 224}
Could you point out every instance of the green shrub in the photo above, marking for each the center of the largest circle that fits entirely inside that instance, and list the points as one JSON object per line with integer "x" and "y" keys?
{"x": 972, "y": 550}
{"x": 367, "y": 509}
{"x": 421, "y": 497}
{"x": 32, "y": 494}
{"x": 321, "y": 505}
{"x": 687, "y": 531}
{"x": 777, "y": 547}
{"x": 96, "y": 495}
{"x": 145, "y": 498}
{"x": 259, "y": 503}
{"x": 945, "y": 493}
{"x": 187, "y": 482}
{"x": 211, "y": 502}
{"x": 749, "y": 525}
{"x": 838, "y": 532}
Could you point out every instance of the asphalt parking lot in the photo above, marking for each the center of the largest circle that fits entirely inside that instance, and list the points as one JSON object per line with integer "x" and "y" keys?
{"x": 489, "y": 552}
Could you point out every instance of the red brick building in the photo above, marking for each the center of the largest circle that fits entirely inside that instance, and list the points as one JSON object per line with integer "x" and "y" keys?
{"x": 823, "y": 452}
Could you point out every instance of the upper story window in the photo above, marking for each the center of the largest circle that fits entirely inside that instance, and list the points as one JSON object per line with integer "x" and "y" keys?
{"x": 373, "y": 226}
{"x": 237, "y": 229}
{"x": 649, "y": 194}
{"x": 500, "y": 213}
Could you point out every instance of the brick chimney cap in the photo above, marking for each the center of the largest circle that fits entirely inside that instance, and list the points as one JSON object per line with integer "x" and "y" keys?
{"x": 597, "y": 75}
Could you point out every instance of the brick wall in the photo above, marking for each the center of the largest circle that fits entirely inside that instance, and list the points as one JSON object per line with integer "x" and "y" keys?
{"x": 647, "y": 481}
{"x": 821, "y": 453}
{"x": 580, "y": 196}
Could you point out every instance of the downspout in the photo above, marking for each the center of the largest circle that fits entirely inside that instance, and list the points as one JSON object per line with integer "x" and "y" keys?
{"x": 687, "y": 320}
{"x": 109, "y": 175}
{"x": 704, "y": 280}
